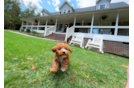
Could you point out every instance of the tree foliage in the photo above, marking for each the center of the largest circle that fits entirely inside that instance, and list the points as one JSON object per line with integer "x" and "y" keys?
{"x": 13, "y": 12}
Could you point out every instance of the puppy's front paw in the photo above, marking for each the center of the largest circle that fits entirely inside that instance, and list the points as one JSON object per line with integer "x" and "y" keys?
{"x": 53, "y": 70}
{"x": 63, "y": 70}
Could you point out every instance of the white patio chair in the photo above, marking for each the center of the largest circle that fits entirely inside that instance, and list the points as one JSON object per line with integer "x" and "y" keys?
{"x": 78, "y": 39}
{"x": 97, "y": 42}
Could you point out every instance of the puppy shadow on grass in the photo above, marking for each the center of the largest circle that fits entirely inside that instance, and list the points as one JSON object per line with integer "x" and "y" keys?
{"x": 60, "y": 76}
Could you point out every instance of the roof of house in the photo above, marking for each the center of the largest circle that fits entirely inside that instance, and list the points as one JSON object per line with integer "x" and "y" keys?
{"x": 119, "y": 4}
{"x": 99, "y": 0}
{"x": 93, "y": 8}
{"x": 67, "y": 3}
{"x": 44, "y": 10}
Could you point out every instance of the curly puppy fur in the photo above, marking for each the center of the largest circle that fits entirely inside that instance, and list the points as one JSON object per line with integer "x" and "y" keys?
{"x": 61, "y": 56}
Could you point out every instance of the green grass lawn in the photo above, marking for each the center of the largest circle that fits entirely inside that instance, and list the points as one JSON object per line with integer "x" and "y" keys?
{"x": 89, "y": 69}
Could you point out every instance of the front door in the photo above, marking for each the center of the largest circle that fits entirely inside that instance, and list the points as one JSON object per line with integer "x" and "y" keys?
{"x": 65, "y": 27}
{"x": 60, "y": 27}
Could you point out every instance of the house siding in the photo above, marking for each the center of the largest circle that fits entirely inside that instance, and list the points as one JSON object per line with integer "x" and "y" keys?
{"x": 66, "y": 7}
{"x": 45, "y": 14}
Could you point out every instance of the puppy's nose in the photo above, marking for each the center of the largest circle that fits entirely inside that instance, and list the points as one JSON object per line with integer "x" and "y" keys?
{"x": 63, "y": 52}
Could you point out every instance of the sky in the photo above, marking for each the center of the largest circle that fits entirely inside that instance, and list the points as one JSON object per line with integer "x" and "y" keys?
{"x": 53, "y": 5}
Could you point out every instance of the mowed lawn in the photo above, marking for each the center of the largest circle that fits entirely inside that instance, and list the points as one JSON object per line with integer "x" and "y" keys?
{"x": 87, "y": 69}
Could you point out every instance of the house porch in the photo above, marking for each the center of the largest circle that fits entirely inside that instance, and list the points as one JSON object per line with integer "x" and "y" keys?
{"x": 112, "y": 24}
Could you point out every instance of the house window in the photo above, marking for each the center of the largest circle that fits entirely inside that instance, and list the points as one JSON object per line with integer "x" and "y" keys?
{"x": 68, "y": 11}
{"x": 60, "y": 12}
{"x": 123, "y": 32}
{"x": 64, "y": 11}
{"x": 102, "y": 6}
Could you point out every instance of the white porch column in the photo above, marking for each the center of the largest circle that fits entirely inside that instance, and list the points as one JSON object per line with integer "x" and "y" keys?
{"x": 74, "y": 21}
{"x": 45, "y": 28}
{"x": 56, "y": 24}
{"x": 26, "y": 26}
{"x": 21, "y": 25}
{"x": 32, "y": 26}
{"x": 116, "y": 26}
{"x": 66, "y": 34}
{"x": 38, "y": 24}
{"x": 92, "y": 23}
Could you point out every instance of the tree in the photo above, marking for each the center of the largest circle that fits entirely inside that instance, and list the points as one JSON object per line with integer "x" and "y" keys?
{"x": 13, "y": 13}
{"x": 29, "y": 12}
{"x": 38, "y": 15}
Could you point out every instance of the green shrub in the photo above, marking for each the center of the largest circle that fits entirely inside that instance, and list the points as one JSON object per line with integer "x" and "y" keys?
{"x": 124, "y": 54}
{"x": 22, "y": 30}
{"x": 42, "y": 36}
{"x": 34, "y": 32}
{"x": 28, "y": 30}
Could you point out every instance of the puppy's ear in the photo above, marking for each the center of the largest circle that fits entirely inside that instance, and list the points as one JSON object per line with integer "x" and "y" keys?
{"x": 54, "y": 49}
{"x": 65, "y": 42}
{"x": 70, "y": 50}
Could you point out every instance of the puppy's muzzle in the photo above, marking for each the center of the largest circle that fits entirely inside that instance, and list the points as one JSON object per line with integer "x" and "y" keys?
{"x": 63, "y": 52}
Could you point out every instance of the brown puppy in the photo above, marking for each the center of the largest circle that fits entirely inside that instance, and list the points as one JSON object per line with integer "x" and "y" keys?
{"x": 61, "y": 56}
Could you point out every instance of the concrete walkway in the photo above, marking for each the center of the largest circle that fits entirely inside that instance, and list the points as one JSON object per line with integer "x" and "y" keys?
{"x": 32, "y": 36}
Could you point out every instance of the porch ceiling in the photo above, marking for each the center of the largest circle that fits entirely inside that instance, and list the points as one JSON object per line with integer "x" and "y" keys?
{"x": 111, "y": 16}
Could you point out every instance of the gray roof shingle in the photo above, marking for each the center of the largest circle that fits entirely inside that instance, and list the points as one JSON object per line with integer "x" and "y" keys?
{"x": 120, "y": 4}
{"x": 93, "y": 8}
{"x": 55, "y": 13}
{"x": 85, "y": 9}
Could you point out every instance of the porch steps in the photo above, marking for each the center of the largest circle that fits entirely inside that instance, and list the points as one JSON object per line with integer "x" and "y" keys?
{"x": 55, "y": 36}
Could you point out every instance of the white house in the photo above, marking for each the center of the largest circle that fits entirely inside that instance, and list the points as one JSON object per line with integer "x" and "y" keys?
{"x": 108, "y": 19}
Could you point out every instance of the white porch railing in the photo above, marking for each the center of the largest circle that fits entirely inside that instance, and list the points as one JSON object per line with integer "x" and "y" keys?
{"x": 38, "y": 31}
{"x": 69, "y": 32}
{"x": 106, "y": 37}
{"x": 50, "y": 30}
{"x": 123, "y": 27}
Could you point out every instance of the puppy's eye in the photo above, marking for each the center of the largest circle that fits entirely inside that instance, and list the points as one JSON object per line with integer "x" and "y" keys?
{"x": 59, "y": 49}
{"x": 66, "y": 48}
